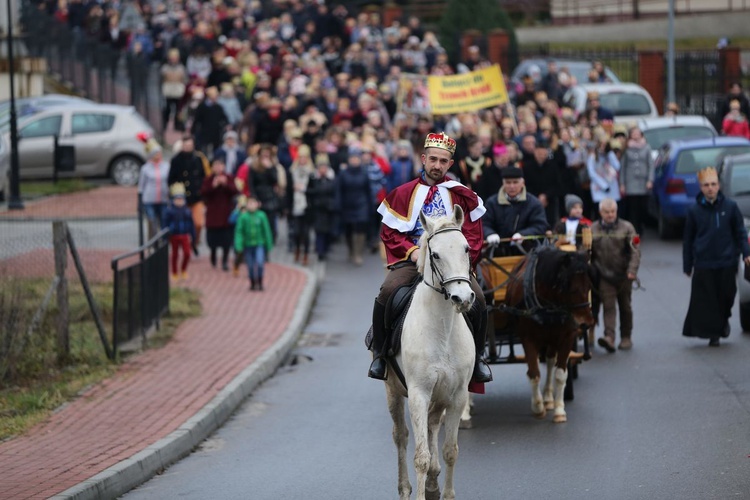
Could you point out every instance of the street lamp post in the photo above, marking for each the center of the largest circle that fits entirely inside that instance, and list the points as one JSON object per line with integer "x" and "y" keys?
{"x": 14, "y": 202}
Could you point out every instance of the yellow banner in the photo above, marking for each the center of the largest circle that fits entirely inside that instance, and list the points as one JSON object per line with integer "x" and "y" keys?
{"x": 484, "y": 88}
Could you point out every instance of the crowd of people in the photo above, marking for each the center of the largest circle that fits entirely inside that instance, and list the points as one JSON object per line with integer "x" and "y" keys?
{"x": 290, "y": 108}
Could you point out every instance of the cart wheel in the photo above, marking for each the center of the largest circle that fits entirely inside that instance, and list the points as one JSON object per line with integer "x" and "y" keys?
{"x": 568, "y": 394}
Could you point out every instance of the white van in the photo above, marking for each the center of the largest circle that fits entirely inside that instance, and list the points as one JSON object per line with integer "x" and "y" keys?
{"x": 629, "y": 102}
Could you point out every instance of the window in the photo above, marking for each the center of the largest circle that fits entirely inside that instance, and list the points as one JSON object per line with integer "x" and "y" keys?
{"x": 658, "y": 136}
{"x": 87, "y": 123}
{"x": 45, "y": 127}
{"x": 740, "y": 179}
{"x": 622, "y": 104}
{"x": 690, "y": 161}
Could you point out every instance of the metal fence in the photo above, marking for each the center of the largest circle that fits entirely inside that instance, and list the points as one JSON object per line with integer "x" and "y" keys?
{"x": 701, "y": 80}
{"x": 141, "y": 289}
{"x": 92, "y": 68}
{"x": 700, "y": 83}
{"x": 624, "y": 62}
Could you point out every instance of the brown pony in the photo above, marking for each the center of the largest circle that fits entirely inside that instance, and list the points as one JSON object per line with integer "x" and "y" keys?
{"x": 549, "y": 297}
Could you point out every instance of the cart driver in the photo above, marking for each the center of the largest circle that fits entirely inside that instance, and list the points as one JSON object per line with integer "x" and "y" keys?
{"x": 512, "y": 214}
{"x": 434, "y": 195}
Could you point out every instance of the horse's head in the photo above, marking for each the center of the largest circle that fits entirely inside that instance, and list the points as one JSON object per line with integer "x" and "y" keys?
{"x": 444, "y": 260}
{"x": 570, "y": 277}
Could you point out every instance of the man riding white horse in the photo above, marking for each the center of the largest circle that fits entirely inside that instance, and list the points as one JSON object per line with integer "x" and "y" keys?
{"x": 434, "y": 195}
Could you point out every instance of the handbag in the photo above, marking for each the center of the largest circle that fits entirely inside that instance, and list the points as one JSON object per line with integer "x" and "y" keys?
{"x": 173, "y": 90}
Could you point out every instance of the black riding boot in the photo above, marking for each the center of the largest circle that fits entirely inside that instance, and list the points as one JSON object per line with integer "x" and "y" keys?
{"x": 378, "y": 365}
{"x": 482, "y": 371}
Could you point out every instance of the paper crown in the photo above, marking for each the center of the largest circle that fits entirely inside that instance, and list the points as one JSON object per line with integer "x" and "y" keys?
{"x": 707, "y": 173}
{"x": 151, "y": 147}
{"x": 440, "y": 140}
{"x": 177, "y": 189}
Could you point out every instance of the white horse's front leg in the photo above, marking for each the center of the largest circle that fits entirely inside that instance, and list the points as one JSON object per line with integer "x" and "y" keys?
{"x": 466, "y": 414}
{"x": 450, "y": 447}
{"x": 537, "y": 404}
{"x": 549, "y": 398}
{"x": 401, "y": 439}
{"x": 561, "y": 378}
{"x": 418, "y": 410}
{"x": 432, "y": 487}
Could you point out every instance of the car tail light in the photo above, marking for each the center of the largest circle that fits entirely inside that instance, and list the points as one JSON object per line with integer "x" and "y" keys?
{"x": 675, "y": 186}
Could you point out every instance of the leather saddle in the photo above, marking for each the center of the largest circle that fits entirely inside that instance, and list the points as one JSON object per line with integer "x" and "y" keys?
{"x": 395, "y": 313}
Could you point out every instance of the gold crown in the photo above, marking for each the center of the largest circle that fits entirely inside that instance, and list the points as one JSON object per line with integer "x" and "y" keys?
{"x": 177, "y": 189}
{"x": 705, "y": 174}
{"x": 440, "y": 140}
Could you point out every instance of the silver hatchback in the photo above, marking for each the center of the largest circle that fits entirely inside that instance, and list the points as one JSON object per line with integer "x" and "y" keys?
{"x": 104, "y": 137}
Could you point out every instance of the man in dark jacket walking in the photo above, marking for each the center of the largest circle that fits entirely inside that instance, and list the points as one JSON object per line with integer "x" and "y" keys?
{"x": 616, "y": 256}
{"x": 542, "y": 176}
{"x": 512, "y": 212}
{"x": 189, "y": 168}
{"x": 714, "y": 237}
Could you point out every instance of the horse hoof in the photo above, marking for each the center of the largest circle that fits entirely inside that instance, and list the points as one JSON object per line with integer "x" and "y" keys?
{"x": 560, "y": 419}
{"x": 540, "y": 416}
{"x": 432, "y": 494}
{"x": 465, "y": 424}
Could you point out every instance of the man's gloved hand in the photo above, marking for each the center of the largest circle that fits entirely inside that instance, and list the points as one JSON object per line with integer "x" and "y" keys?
{"x": 493, "y": 239}
{"x": 517, "y": 237}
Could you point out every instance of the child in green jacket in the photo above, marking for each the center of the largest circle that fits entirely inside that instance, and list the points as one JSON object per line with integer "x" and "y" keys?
{"x": 252, "y": 237}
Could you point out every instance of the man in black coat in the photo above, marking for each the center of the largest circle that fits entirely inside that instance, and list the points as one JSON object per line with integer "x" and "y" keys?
{"x": 714, "y": 237}
{"x": 209, "y": 122}
{"x": 542, "y": 176}
{"x": 512, "y": 213}
{"x": 188, "y": 168}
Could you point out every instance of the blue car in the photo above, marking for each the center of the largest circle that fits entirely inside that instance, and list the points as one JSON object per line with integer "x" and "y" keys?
{"x": 675, "y": 182}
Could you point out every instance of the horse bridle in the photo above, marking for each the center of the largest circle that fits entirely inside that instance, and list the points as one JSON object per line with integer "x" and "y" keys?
{"x": 436, "y": 270}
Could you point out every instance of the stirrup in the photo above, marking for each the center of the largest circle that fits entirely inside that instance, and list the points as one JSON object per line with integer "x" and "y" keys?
{"x": 482, "y": 372}
{"x": 378, "y": 369}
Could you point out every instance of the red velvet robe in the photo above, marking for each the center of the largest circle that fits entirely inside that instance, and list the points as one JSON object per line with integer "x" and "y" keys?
{"x": 400, "y": 211}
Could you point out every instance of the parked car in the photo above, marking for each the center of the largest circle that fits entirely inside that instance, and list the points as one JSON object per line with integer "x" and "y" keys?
{"x": 661, "y": 130}
{"x": 675, "y": 182}
{"x": 629, "y": 102}
{"x": 537, "y": 69}
{"x": 734, "y": 174}
{"x": 105, "y": 139}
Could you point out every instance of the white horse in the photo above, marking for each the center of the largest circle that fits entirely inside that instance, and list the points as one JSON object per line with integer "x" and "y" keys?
{"x": 436, "y": 357}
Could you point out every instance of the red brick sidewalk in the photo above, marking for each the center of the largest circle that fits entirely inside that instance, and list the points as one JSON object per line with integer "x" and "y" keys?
{"x": 105, "y": 201}
{"x": 157, "y": 391}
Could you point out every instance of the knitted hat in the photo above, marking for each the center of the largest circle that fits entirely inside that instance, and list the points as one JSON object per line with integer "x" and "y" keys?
{"x": 571, "y": 200}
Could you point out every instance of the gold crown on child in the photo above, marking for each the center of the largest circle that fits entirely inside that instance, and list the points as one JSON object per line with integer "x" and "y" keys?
{"x": 440, "y": 140}
{"x": 177, "y": 189}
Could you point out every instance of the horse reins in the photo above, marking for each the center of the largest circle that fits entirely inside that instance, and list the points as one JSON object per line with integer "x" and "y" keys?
{"x": 436, "y": 270}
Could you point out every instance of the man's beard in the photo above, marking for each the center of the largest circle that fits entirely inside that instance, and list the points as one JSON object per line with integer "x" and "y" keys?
{"x": 435, "y": 174}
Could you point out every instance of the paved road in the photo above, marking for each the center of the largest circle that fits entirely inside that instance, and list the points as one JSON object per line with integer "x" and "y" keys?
{"x": 666, "y": 420}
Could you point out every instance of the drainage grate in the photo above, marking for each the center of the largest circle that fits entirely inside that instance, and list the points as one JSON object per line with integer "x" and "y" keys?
{"x": 310, "y": 339}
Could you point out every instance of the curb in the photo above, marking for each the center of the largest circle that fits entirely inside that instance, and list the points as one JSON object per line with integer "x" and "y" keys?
{"x": 136, "y": 470}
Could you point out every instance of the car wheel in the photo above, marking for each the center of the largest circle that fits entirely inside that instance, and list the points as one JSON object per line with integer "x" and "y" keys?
{"x": 124, "y": 170}
{"x": 745, "y": 317}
